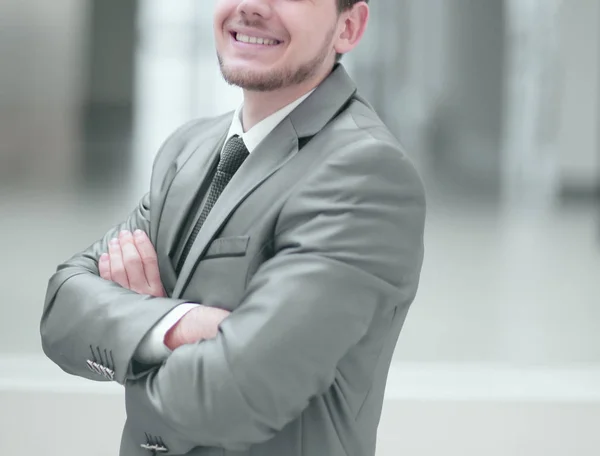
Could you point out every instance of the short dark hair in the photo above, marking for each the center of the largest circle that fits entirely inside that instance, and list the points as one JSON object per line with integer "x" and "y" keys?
{"x": 342, "y": 6}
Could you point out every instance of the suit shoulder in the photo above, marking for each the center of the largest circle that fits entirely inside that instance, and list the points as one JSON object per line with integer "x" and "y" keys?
{"x": 191, "y": 130}
{"x": 360, "y": 142}
{"x": 370, "y": 125}
{"x": 360, "y": 133}
{"x": 197, "y": 127}
{"x": 185, "y": 135}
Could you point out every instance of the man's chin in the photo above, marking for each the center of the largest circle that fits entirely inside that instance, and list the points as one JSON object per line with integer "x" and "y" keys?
{"x": 255, "y": 81}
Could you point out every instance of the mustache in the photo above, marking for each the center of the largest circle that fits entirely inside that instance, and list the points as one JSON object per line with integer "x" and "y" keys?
{"x": 257, "y": 24}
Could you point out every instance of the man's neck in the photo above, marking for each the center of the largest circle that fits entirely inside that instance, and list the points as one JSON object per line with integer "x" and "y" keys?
{"x": 260, "y": 105}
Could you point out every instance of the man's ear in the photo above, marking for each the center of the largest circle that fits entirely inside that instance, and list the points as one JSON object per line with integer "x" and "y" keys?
{"x": 353, "y": 26}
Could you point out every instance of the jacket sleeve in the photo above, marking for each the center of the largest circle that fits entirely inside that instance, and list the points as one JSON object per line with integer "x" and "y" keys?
{"x": 91, "y": 327}
{"x": 349, "y": 244}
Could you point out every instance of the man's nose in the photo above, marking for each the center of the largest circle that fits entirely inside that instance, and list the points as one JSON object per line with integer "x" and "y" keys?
{"x": 253, "y": 9}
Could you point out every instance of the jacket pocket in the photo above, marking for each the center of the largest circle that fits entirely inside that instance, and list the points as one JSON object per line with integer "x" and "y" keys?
{"x": 227, "y": 247}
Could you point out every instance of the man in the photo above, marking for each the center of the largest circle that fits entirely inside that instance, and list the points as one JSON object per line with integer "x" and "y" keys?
{"x": 251, "y": 304}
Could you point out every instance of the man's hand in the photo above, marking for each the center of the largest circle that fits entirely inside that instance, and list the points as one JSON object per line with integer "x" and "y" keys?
{"x": 198, "y": 324}
{"x": 131, "y": 262}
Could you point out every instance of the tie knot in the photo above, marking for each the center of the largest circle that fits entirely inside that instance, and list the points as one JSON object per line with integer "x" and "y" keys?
{"x": 233, "y": 155}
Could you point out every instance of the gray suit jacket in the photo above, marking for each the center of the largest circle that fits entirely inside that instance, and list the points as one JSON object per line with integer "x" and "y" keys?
{"x": 316, "y": 252}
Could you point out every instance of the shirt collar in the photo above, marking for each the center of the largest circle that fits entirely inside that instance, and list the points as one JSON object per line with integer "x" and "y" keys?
{"x": 253, "y": 137}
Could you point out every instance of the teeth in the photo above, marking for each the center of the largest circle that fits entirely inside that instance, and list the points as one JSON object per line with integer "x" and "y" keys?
{"x": 254, "y": 40}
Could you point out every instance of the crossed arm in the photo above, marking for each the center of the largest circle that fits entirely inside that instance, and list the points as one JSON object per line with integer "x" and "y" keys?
{"x": 349, "y": 246}
{"x": 131, "y": 262}
{"x": 91, "y": 327}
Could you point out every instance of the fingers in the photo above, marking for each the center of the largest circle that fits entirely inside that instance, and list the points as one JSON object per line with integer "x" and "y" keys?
{"x": 211, "y": 319}
{"x": 104, "y": 266}
{"x": 117, "y": 267}
{"x": 133, "y": 263}
{"x": 149, "y": 262}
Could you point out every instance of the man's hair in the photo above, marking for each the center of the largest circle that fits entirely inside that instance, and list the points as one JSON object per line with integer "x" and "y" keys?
{"x": 342, "y": 6}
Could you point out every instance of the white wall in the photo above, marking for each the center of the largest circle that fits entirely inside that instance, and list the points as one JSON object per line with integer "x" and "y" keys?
{"x": 42, "y": 46}
{"x": 579, "y": 122}
{"x": 177, "y": 76}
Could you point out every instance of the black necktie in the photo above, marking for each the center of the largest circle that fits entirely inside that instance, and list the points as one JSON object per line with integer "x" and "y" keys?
{"x": 233, "y": 155}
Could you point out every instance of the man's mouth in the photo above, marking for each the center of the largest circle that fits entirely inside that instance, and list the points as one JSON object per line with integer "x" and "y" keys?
{"x": 254, "y": 39}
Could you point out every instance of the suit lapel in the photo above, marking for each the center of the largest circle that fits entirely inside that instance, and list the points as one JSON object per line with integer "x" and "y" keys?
{"x": 191, "y": 168}
{"x": 272, "y": 153}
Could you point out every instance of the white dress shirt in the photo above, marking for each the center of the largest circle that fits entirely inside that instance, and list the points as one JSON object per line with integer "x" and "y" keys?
{"x": 152, "y": 349}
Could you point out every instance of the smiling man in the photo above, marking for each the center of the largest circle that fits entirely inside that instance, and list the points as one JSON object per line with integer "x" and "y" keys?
{"x": 251, "y": 304}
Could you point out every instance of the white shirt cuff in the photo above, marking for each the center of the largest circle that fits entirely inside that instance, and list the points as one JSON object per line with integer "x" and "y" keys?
{"x": 152, "y": 349}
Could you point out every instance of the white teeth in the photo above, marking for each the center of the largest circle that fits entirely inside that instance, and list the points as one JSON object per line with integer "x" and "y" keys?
{"x": 254, "y": 40}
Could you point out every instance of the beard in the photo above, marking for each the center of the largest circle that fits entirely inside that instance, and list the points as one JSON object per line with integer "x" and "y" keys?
{"x": 279, "y": 78}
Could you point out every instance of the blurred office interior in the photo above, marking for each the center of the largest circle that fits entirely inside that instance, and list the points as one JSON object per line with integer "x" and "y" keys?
{"x": 496, "y": 102}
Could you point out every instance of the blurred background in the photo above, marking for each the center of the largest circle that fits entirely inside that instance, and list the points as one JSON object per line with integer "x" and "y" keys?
{"x": 497, "y": 103}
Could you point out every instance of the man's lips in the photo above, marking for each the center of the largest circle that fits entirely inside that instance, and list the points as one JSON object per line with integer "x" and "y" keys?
{"x": 249, "y": 37}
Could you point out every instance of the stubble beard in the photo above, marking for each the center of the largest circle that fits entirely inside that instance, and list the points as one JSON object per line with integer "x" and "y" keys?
{"x": 260, "y": 81}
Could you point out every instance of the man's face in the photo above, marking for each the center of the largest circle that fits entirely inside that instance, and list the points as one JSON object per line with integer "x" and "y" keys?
{"x": 266, "y": 45}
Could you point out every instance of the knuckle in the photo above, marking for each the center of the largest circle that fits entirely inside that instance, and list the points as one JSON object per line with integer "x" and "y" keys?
{"x": 117, "y": 267}
{"x": 131, "y": 260}
{"x": 150, "y": 260}
{"x": 128, "y": 262}
{"x": 128, "y": 252}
